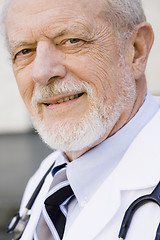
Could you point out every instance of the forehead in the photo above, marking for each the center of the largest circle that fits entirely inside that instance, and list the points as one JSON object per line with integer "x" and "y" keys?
{"x": 24, "y": 10}
{"x": 32, "y": 19}
{"x": 33, "y": 6}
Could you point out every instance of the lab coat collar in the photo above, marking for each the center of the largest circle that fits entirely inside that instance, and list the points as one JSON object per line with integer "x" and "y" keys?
{"x": 138, "y": 169}
{"x": 36, "y": 209}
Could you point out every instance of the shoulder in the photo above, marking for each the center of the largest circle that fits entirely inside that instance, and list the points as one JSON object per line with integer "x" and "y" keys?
{"x": 36, "y": 178}
{"x": 157, "y": 99}
{"x": 44, "y": 166}
{"x": 46, "y": 163}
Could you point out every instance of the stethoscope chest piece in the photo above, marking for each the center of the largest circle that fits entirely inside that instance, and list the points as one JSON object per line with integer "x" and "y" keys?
{"x": 19, "y": 222}
{"x": 18, "y": 225}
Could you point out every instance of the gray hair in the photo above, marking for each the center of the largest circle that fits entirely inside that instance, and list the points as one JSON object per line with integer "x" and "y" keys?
{"x": 124, "y": 15}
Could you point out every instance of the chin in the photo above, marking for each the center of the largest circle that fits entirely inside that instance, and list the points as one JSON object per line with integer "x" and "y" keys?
{"x": 83, "y": 133}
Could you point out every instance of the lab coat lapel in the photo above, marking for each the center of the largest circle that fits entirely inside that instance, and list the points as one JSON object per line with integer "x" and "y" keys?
{"x": 139, "y": 167}
{"x": 95, "y": 215}
{"x": 36, "y": 209}
{"x": 132, "y": 173}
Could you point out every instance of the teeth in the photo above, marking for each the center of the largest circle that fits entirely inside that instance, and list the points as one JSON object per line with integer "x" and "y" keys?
{"x": 60, "y": 101}
{"x": 76, "y": 96}
{"x": 69, "y": 98}
{"x": 66, "y": 99}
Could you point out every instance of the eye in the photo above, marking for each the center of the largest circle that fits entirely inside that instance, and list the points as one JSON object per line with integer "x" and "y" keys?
{"x": 72, "y": 41}
{"x": 25, "y": 51}
{"x": 70, "y": 45}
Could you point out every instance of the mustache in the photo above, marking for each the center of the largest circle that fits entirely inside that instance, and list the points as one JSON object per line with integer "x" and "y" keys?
{"x": 59, "y": 87}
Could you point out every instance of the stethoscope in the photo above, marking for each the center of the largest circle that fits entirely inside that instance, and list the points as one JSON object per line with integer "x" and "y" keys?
{"x": 19, "y": 223}
{"x": 153, "y": 197}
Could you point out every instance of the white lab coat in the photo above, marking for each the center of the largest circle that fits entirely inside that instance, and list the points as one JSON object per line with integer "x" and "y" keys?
{"x": 137, "y": 174}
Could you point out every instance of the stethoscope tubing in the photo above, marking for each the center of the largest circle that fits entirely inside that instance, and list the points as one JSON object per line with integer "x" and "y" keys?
{"x": 153, "y": 197}
{"x": 19, "y": 221}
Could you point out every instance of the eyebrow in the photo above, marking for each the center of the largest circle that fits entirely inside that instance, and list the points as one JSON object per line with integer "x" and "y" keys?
{"x": 76, "y": 28}
{"x": 73, "y": 29}
{"x": 13, "y": 44}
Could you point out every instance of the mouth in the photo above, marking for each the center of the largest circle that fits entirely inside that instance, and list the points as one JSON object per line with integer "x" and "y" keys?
{"x": 62, "y": 100}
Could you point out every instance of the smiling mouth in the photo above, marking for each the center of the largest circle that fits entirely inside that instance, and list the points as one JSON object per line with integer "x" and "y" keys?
{"x": 65, "y": 99}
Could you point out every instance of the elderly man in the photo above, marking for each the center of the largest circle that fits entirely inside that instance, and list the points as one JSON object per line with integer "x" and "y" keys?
{"x": 79, "y": 66}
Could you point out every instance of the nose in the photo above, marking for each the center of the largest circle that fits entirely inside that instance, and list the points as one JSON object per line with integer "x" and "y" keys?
{"x": 47, "y": 64}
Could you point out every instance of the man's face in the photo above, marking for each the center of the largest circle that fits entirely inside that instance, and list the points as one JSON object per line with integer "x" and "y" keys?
{"x": 70, "y": 73}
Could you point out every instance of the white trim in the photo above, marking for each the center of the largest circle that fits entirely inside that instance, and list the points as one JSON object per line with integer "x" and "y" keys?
{"x": 50, "y": 224}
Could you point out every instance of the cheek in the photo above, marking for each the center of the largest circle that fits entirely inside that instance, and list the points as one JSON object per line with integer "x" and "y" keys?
{"x": 95, "y": 69}
{"x": 25, "y": 85}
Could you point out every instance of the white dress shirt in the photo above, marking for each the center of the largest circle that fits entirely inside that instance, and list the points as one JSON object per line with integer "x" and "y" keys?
{"x": 87, "y": 173}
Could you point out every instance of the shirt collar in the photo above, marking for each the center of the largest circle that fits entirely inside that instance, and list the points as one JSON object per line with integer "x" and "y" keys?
{"x": 88, "y": 172}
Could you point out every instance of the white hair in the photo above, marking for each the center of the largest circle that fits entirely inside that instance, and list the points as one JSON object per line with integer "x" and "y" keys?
{"x": 124, "y": 15}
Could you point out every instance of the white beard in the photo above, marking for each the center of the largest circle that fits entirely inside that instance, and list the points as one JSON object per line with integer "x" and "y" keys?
{"x": 65, "y": 135}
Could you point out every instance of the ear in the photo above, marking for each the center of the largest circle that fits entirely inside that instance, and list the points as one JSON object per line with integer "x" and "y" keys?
{"x": 142, "y": 40}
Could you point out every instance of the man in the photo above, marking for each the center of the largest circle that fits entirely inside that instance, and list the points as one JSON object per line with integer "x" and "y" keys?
{"x": 79, "y": 66}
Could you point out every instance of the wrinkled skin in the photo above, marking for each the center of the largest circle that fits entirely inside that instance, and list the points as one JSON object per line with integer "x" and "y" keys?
{"x": 68, "y": 41}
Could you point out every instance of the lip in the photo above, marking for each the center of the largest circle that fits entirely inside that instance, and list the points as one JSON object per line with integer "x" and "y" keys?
{"x": 53, "y": 101}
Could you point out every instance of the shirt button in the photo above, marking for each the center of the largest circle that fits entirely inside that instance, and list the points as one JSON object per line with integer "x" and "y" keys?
{"x": 83, "y": 203}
